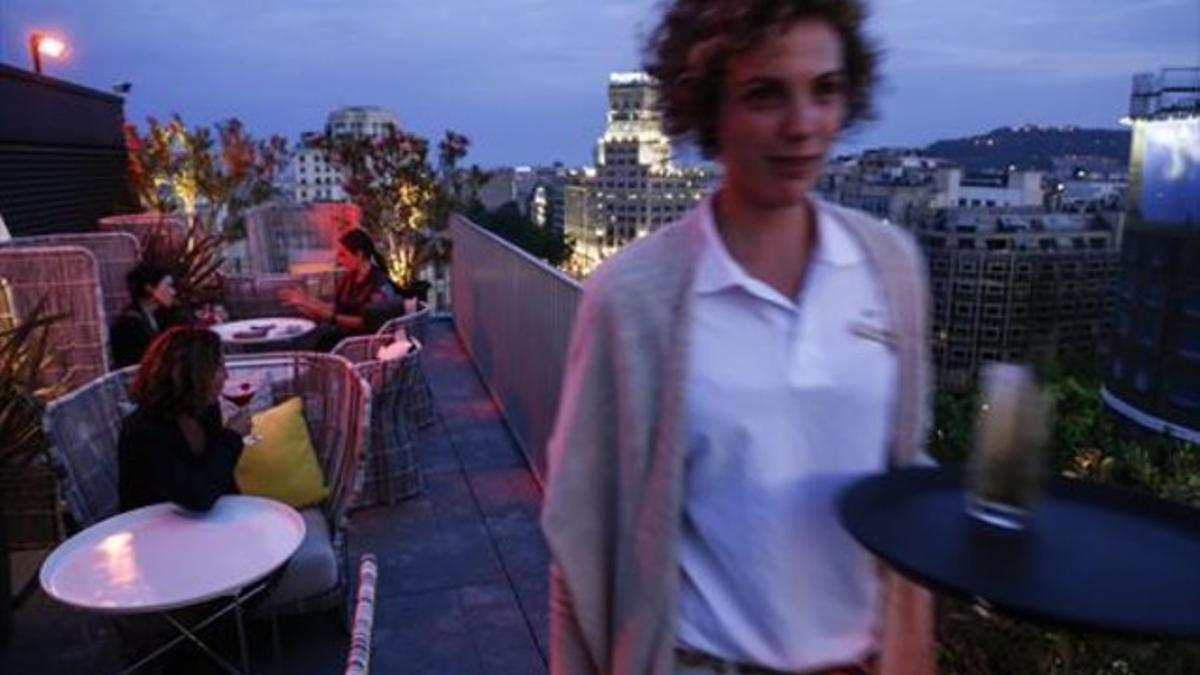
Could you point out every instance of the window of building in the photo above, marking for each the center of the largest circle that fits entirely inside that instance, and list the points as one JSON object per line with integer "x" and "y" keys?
{"x": 1185, "y": 395}
{"x": 1141, "y": 381}
{"x": 1153, "y": 295}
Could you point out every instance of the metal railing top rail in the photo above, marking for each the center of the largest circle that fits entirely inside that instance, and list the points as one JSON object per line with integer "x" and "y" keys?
{"x": 538, "y": 264}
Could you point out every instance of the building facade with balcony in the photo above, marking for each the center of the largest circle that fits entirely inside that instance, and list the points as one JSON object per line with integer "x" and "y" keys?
{"x": 1152, "y": 378}
{"x": 889, "y": 183}
{"x": 539, "y": 192}
{"x": 311, "y": 176}
{"x": 1015, "y": 284}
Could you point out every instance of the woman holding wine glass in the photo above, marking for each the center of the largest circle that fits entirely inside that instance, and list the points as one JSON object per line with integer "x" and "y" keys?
{"x": 175, "y": 447}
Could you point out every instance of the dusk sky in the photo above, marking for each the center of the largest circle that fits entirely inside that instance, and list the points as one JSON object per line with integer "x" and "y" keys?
{"x": 525, "y": 79}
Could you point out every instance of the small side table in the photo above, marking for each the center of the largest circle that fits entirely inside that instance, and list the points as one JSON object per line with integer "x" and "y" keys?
{"x": 161, "y": 558}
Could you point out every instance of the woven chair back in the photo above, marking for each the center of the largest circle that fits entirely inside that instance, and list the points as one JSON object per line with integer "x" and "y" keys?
{"x": 413, "y": 324}
{"x": 8, "y": 316}
{"x": 67, "y": 280}
{"x": 144, "y": 225}
{"x": 392, "y": 470}
{"x": 116, "y": 253}
{"x": 276, "y": 234}
{"x": 251, "y": 297}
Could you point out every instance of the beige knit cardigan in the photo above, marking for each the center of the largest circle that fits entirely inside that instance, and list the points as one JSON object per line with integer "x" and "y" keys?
{"x": 613, "y": 504}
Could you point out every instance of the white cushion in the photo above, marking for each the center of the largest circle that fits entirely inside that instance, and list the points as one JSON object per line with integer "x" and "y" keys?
{"x": 397, "y": 349}
{"x": 313, "y": 568}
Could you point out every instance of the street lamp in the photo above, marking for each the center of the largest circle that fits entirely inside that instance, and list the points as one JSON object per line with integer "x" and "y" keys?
{"x": 41, "y": 45}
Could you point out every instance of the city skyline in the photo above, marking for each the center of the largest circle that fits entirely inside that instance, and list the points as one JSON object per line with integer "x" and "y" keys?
{"x": 528, "y": 86}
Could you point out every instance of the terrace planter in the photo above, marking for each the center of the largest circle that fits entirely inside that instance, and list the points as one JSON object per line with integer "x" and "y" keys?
{"x": 142, "y": 224}
{"x": 418, "y": 289}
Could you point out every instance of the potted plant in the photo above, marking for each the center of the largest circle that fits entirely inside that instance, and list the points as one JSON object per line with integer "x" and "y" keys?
{"x": 205, "y": 182}
{"x": 188, "y": 173}
{"x": 194, "y": 263}
{"x": 23, "y": 353}
{"x": 404, "y": 198}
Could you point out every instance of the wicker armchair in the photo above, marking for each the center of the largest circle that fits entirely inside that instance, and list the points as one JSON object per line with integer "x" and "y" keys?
{"x": 68, "y": 279}
{"x": 82, "y": 430}
{"x": 276, "y": 232}
{"x": 251, "y": 297}
{"x": 392, "y": 472}
{"x": 116, "y": 253}
{"x": 8, "y": 317}
{"x": 358, "y": 659}
{"x": 419, "y": 399}
{"x": 413, "y": 324}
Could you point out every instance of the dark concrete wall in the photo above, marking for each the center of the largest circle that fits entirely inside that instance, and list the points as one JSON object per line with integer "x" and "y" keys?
{"x": 62, "y": 154}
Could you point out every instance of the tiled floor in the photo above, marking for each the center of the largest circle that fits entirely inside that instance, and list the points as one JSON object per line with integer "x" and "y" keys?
{"x": 462, "y": 581}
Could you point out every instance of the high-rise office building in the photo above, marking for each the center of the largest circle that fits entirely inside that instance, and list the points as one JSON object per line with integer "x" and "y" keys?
{"x": 1153, "y": 371}
{"x": 637, "y": 187}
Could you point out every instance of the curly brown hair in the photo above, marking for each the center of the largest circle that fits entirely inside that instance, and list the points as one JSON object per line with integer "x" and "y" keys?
{"x": 176, "y": 374}
{"x": 691, "y": 47}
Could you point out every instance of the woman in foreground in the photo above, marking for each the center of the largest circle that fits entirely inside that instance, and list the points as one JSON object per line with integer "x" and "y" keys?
{"x": 731, "y": 373}
{"x": 174, "y": 447}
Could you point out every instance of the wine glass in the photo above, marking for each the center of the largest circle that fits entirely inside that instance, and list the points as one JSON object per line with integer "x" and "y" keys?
{"x": 240, "y": 393}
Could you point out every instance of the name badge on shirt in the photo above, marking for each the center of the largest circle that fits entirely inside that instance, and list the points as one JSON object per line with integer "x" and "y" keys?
{"x": 870, "y": 331}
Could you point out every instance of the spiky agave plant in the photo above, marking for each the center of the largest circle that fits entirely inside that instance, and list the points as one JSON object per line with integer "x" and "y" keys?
{"x": 24, "y": 353}
{"x": 194, "y": 263}
{"x": 26, "y": 486}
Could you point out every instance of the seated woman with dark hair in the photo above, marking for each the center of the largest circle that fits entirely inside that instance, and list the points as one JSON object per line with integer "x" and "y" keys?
{"x": 364, "y": 281}
{"x": 152, "y": 296}
{"x": 174, "y": 447}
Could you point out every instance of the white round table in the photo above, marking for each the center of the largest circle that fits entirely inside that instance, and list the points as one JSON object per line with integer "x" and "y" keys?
{"x": 163, "y": 557}
{"x": 263, "y": 331}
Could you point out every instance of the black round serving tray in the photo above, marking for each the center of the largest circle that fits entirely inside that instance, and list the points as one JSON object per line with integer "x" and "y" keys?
{"x": 1092, "y": 556}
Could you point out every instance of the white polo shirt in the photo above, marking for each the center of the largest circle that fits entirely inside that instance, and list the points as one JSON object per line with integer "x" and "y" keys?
{"x": 786, "y": 403}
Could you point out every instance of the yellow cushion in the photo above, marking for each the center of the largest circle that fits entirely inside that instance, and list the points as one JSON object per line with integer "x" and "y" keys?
{"x": 282, "y": 465}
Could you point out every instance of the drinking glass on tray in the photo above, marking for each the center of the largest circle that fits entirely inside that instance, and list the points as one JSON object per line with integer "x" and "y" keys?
{"x": 1006, "y": 469}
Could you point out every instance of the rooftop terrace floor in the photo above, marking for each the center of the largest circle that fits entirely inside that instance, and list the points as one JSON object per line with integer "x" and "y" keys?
{"x": 462, "y": 581}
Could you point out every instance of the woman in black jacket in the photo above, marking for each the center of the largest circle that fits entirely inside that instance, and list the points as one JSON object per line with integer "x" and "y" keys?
{"x": 174, "y": 447}
{"x": 152, "y": 294}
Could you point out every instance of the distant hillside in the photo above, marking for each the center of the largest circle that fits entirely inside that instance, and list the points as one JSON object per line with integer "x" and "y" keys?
{"x": 1031, "y": 147}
